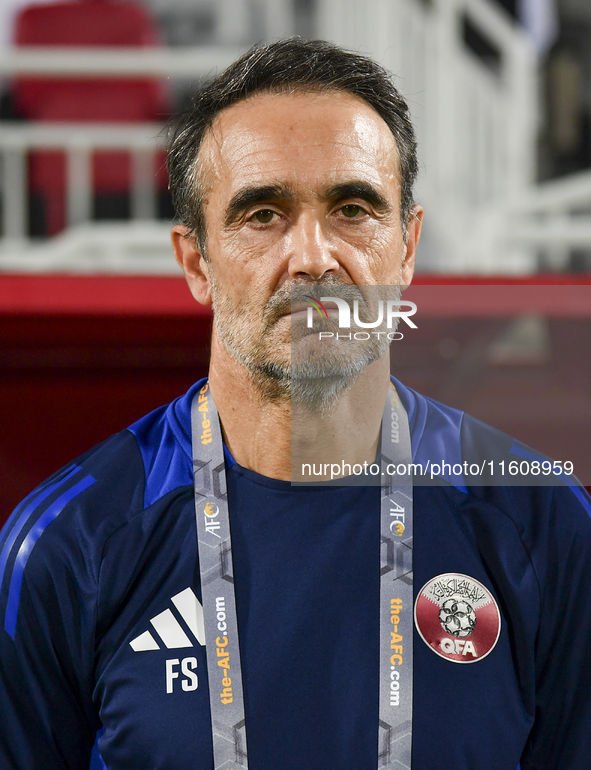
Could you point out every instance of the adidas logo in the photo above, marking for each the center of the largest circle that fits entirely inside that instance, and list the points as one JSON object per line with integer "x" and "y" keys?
{"x": 168, "y": 628}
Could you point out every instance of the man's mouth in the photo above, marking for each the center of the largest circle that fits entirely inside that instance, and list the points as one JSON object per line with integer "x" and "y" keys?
{"x": 297, "y": 304}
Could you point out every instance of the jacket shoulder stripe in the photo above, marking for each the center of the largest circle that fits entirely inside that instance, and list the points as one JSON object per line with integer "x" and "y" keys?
{"x": 27, "y": 545}
{"x": 36, "y": 498}
{"x": 11, "y": 520}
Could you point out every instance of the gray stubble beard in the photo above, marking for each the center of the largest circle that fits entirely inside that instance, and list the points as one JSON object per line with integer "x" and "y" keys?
{"x": 312, "y": 383}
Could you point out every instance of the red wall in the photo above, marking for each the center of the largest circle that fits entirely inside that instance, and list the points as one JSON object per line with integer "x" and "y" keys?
{"x": 67, "y": 383}
{"x": 83, "y": 357}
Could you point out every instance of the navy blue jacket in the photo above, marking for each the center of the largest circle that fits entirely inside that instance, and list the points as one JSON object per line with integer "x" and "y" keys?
{"x": 102, "y": 662}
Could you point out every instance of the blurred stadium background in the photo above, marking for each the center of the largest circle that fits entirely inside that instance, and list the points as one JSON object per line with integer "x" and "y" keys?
{"x": 96, "y": 324}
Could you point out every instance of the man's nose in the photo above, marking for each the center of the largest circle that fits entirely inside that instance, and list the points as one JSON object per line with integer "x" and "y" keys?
{"x": 311, "y": 252}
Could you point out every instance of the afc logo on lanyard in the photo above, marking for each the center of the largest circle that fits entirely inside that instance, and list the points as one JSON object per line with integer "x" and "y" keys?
{"x": 458, "y": 618}
{"x": 211, "y": 513}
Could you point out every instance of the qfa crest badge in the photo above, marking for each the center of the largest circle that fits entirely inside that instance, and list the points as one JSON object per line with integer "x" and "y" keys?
{"x": 458, "y": 618}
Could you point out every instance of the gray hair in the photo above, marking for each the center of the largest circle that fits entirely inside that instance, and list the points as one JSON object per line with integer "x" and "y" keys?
{"x": 285, "y": 66}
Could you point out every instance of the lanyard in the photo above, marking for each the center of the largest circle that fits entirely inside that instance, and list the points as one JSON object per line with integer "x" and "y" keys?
{"x": 219, "y": 601}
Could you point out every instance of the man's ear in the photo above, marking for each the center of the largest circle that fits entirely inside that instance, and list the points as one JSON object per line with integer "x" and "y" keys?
{"x": 413, "y": 235}
{"x": 192, "y": 262}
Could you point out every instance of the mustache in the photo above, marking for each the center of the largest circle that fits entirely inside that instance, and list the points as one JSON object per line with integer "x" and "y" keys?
{"x": 286, "y": 297}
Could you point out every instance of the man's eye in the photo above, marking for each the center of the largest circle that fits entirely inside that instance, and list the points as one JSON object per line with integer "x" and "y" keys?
{"x": 351, "y": 210}
{"x": 264, "y": 216}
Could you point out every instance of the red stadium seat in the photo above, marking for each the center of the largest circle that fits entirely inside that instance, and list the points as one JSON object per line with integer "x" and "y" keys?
{"x": 60, "y": 99}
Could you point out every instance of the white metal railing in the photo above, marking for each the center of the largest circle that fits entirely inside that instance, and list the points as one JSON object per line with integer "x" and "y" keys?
{"x": 187, "y": 63}
{"x": 111, "y": 246}
{"x": 554, "y": 217}
{"x": 79, "y": 142}
{"x": 476, "y": 127}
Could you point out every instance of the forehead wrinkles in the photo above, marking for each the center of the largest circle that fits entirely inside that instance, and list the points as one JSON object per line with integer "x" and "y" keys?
{"x": 243, "y": 139}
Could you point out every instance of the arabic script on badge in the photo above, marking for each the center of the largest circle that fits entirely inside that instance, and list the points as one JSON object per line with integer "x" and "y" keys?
{"x": 458, "y": 618}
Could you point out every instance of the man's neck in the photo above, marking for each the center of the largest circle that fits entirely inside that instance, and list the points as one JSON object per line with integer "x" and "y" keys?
{"x": 271, "y": 439}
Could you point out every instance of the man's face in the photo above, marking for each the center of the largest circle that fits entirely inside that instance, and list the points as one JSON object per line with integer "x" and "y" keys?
{"x": 300, "y": 189}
